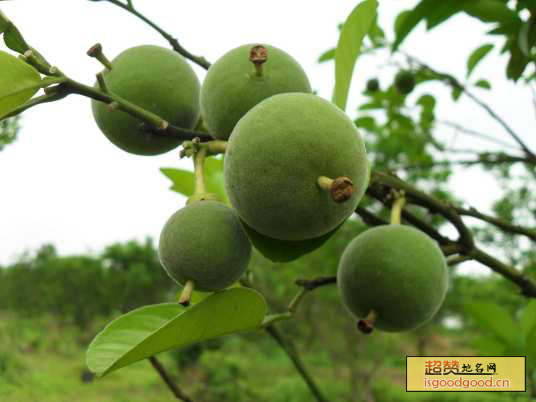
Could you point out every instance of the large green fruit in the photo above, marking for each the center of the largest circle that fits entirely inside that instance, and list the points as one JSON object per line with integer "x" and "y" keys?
{"x": 396, "y": 271}
{"x": 231, "y": 86}
{"x": 274, "y": 157}
{"x": 158, "y": 80}
{"x": 204, "y": 242}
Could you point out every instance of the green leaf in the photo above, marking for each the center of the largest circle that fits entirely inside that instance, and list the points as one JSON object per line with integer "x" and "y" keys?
{"x": 456, "y": 93}
{"x": 490, "y": 11}
{"x": 483, "y": 84}
{"x": 366, "y": 122}
{"x": 356, "y": 26}
{"x": 18, "y": 82}
{"x": 282, "y": 250}
{"x": 14, "y": 40}
{"x": 477, "y": 56}
{"x": 149, "y": 330}
{"x": 4, "y": 22}
{"x": 442, "y": 12}
{"x": 327, "y": 55}
{"x": 407, "y": 20}
{"x": 183, "y": 180}
{"x": 495, "y": 320}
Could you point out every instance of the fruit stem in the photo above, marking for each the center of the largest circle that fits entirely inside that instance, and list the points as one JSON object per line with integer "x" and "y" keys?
{"x": 258, "y": 56}
{"x": 367, "y": 325}
{"x": 95, "y": 51}
{"x": 396, "y": 209}
{"x": 341, "y": 188}
{"x": 215, "y": 147}
{"x": 186, "y": 293}
{"x": 102, "y": 83}
{"x": 199, "y": 170}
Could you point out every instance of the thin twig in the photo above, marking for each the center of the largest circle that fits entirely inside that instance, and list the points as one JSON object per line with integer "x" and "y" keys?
{"x": 201, "y": 61}
{"x": 502, "y": 224}
{"x": 179, "y": 394}
{"x": 290, "y": 349}
{"x": 477, "y": 134}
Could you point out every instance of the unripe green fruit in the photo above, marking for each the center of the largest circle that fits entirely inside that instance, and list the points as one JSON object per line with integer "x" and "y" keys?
{"x": 395, "y": 271}
{"x": 405, "y": 81}
{"x": 275, "y": 156}
{"x": 204, "y": 242}
{"x": 158, "y": 80}
{"x": 373, "y": 85}
{"x": 232, "y": 87}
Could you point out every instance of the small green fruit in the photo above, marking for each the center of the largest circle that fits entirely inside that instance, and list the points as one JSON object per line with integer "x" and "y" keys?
{"x": 373, "y": 85}
{"x": 158, "y": 80}
{"x": 395, "y": 271}
{"x": 275, "y": 156}
{"x": 405, "y": 81}
{"x": 204, "y": 242}
{"x": 233, "y": 86}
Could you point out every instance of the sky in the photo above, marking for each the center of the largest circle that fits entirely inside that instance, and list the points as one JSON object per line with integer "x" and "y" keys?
{"x": 63, "y": 182}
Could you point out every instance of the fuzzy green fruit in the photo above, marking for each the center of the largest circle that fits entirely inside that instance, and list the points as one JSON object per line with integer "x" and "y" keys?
{"x": 204, "y": 242}
{"x": 275, "y": 156}
{"x": 158, "y": 80}
{"x": 231, "y": 86}
{"x": 405, "y": 81}
{"x": 396, "y": 271}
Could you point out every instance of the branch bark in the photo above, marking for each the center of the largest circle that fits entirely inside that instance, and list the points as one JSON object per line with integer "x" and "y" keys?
{"x": 199, "y": 60}
{"x": 179, "y": 394}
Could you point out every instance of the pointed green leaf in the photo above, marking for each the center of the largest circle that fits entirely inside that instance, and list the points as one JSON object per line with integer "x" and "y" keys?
{"x": 327, "y": 55}
{"x": 407, "y": 20}
{"x": 495, "y": 320}
{"x": 477, "y": 55}
{"x": 356, "y": 26}
{"x": 281, "y": 250}
{"x": 149, "y": 330}
{"x": 483, "y": 84}
{"x": 4, "y": 22}
{"x": 214, "y": 178}
{"x": 183, "y": 180}
{"x": 490, "y": 11}
{"x": 18, "y": 82}
{"x": 14, "y": 40}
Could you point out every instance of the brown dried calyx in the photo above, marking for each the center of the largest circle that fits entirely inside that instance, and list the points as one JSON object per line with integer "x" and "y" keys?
{"x": 366, "y": 326}
{"x": 342, "y": 189}
{"x": 258, "y": 56}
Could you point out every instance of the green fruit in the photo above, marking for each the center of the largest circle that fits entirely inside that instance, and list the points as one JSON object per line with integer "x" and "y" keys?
{"x": 204, "y": 242}
{"x": 158, "y": 80}
{"x": 405, "y": 82}
{"x": 274, "y": 157}
{"x": 395, "y": 271}
{"x": 231, "y": 86}
{"x": 373, "y": 85}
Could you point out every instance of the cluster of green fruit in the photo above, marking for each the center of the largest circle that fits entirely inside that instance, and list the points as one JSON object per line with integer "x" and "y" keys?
{"x": 404, "y": 83}
{"x": 295, "y": 169}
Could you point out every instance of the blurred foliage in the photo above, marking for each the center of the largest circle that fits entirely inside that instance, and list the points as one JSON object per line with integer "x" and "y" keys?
{"x": 8, "y": 131}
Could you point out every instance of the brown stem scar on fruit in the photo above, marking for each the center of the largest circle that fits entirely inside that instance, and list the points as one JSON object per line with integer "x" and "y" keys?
{"x": 366, "y": 326}
{"x": 258, "y": 55}
{"x": 342, "y": 189}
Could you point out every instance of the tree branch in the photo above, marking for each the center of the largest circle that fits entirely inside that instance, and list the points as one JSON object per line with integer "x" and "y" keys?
{"x": 201, "y": 61}
{"x": 453, "y": 82}
{"x": 290, "y": 349}
{"x": 504, "y": 225}
{"x": 477, "y": 134}
{"x": 179, "y": 394}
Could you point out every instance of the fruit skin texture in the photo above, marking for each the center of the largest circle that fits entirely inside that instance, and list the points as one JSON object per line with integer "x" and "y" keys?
{"x": 231, "y": 87}
{"x": 204, "y": 242}
{"x": 158, "y": 80}
{"x": 405, "y": 82}
{"x": 274, "y": 157}
{"x": 395, "y": 270}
